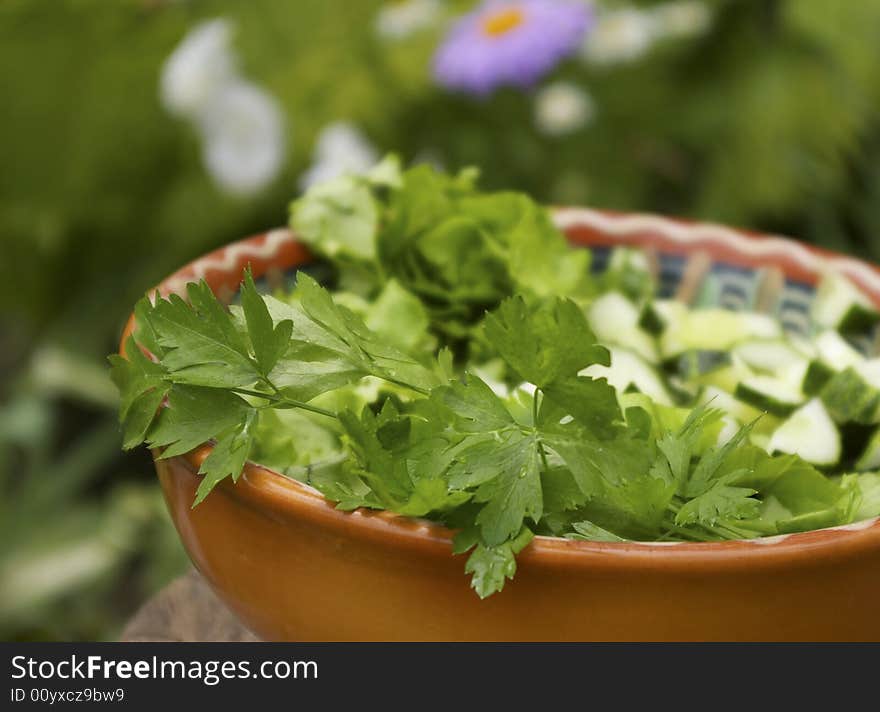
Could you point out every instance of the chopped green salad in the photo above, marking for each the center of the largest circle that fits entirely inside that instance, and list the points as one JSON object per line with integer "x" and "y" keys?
{"x": 462, "y": 364}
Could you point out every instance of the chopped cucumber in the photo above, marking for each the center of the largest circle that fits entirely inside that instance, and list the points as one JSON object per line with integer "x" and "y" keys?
{"x": 725, "y": 378}
{"x": 770, "y": 356}
{"x": 841, "y": 306}
{"x": 818, "y": 373}
{"x": 794, "y": 374}
{"x": 729, "y": 428}
{"x": 650, "y": 320}
{"x": 854, "y": 441}
{"x": 615, "y": 320}
{"x": 760, "y": 326}
{"x": 870, "y": 371}
{"x": 850, "y": 399}
{"x": 836, "y": 352}
{"x": 809, "y": 433}
{"x": 715, "y": 330}
{"x": 870, "y": 458}
{"x": 769, "y": 394}
{"x": 804, "y": 346}
{"x": 670, "y": 311}
{"x": 629, "y": 370}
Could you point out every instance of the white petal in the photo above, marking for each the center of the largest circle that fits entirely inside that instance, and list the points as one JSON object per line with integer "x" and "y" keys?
{"x": 199, "y": 65}
{"x": 620, "y": 36}
{"x": 339, "y": 149}
{"x": 397, "y": 20}
{"x": 244, "y": 137}
{"x": 683, "y": 18}
{"x": 562, "y": 107}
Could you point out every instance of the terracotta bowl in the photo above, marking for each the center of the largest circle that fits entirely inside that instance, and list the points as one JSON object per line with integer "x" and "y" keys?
{"x": 294, "y": 568}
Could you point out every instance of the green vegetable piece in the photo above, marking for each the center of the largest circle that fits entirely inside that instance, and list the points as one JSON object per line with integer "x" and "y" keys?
{"x": 489, "y": 566}
{"x": 849, "y": 398}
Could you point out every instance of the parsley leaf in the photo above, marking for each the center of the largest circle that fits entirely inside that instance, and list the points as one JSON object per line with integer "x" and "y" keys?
{"x": 230, "y": 452}
{"x": 721, "y": 501}
{"x": 269, "y": 342}
{"x": 196, "y": 414}
{"x": 490, "y": 566}
{"x": 142, "y": 386}
{"x": 587, "y": 531}
{"x": 202, "y": 344}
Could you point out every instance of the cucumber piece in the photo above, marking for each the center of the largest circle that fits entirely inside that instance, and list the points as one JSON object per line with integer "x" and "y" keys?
{"x": 809, "y": 433}
{"x": 854, "y": 441}
{"x": 729, "y": 428}
{"x": 794, "y": 374}
{"x": 760, "y": 326}
{"x": 716, "y": 330}
{"x": 769, "y": 394}
{"x": 836, "y": 352}
{"x": 670, "y": 311}
{"x": 842, "y": 306}
{"x": 771, "y": 356}
{"x": 804, "y": 346}
{"x": 870, "y": 371}
{"x": 629, "y": 370}
{"x": 850, "y": 399}
{"x": 615, "y": 320}
{"x": 817, "y": 375}
{"x": 725, "y": 378}
{"x": 650, "y": 320}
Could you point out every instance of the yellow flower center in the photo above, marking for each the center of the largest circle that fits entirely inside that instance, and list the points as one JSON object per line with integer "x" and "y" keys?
{"x": 503, "y": 21}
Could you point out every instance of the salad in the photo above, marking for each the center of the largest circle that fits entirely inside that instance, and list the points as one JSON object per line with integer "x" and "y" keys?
{"x": 460, "y": 362}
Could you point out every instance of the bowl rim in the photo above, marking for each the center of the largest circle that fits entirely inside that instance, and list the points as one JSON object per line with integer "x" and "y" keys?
{"x": 271, "y": 492}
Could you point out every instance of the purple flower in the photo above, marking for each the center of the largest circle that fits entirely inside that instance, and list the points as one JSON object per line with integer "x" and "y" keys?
{"x": 510, "y": 43}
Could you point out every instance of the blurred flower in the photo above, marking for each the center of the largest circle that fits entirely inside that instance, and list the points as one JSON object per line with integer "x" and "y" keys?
{"x": 621, "y": 35}
{"x": 627, "y": 33}
{"x": 197, "y": 67}
{"x": 240, "y": 124}
{"x": 340, "y": 148}
{"x": 562, "y": 107}
{"x": 509, "y": 43}
{"x": 683, "y": 18}
{"x": 402, "y": 18}
{"x": 243, "y": 133}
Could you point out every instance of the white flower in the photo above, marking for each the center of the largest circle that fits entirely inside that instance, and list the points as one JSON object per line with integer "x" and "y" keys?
{"x": 341, "y": 148}
{"x": 198, "y": 66}
{"x": 562, "y": 107}
{"x": 683, "y": 18}
{"x": 243, "y": 137}
{"x": 400, "y": 19}
{"x": 621, "y": 35}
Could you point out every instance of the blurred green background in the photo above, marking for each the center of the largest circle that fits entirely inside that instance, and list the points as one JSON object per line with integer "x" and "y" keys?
{"x": 759, "y": 113}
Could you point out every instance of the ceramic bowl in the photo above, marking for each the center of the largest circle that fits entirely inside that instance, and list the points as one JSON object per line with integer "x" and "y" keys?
{"x": 294, "y": 568}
